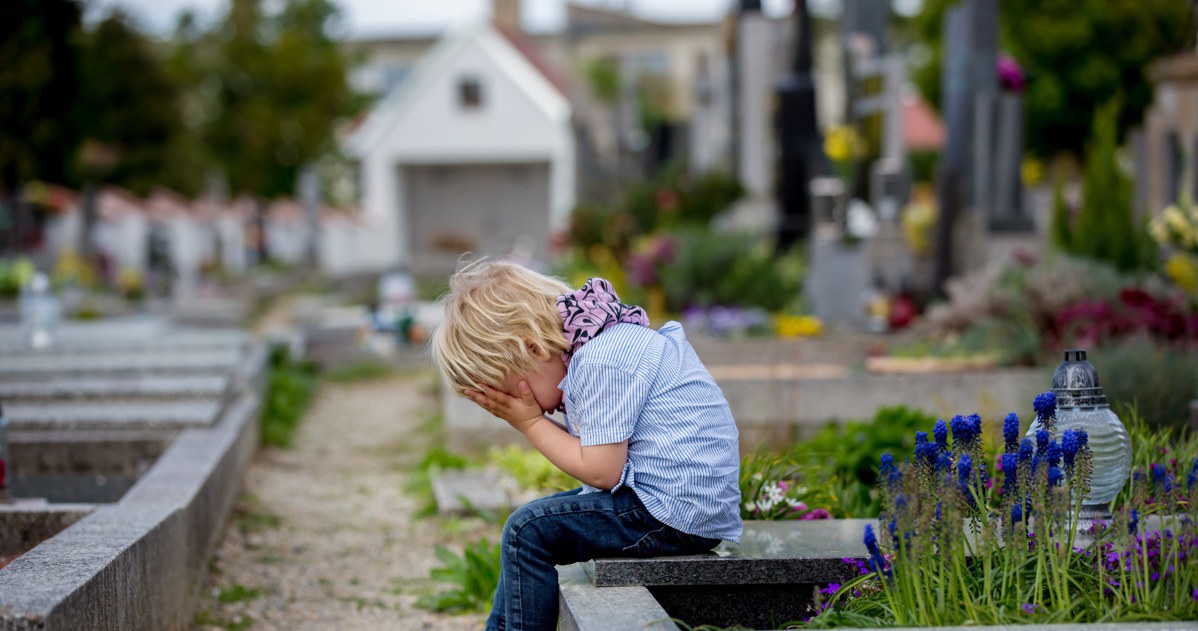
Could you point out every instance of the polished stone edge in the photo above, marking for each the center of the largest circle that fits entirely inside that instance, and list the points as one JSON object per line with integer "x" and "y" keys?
{"x": 710, "y": 569}
{"x": 135, "y": 564}
{"x": 585, "y": 607}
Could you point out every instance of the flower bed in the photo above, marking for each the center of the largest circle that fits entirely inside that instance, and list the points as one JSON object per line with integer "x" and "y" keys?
{"x": 957, "y": 546}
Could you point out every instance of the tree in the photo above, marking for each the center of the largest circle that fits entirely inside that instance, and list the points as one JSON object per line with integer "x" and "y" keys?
{"x": 38, "y": 62}
{"x": 1076, "y": 55}
{"x": 129, "y": 105}
{"x": 1106, "y": 227}
{"x": 272, "y": 87}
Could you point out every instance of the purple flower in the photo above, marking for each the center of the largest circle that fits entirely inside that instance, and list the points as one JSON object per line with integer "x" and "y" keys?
{"x": 921, "y": 438}
{"x": 1016, "y": 514}
{"x": 1054, "y": 475}
{"x": 1042, "y": 438}
{"x": 925, "y": 453}
{"x": 819, "y": 513}
{"x": 1069, "y": 446}
{"x": 832, "y": 588}
{"x": 1010, "y": 469}
{"x": 1025, "y": 451}
{"x": 1134, "y": 522}
{"x": 944, "y": 462}
{"x": 964, "y": 471}
{"x": 1046, "y": 407}
{"x": 1160, "y": 479}
{"x": 1029, "y": 608}
{"x": 1010, "y": 75}
{"x": 1010, "y": 433}
{"x": 1083, "y": 438}
{"x": 870, "y": 540}
{"x": 1194, "y": 596}
{"x": 940, "y": 431}
{"x": 1053, "y": 454}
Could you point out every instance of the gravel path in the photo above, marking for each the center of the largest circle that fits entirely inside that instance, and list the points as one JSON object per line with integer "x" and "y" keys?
{"x": 324, "y": 535}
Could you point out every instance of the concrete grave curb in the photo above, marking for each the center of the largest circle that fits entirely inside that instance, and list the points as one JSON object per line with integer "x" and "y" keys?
{"x": 136, "y": 564}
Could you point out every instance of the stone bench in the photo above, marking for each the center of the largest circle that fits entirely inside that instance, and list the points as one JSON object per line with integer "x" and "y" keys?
{"x": 767, "y": 579}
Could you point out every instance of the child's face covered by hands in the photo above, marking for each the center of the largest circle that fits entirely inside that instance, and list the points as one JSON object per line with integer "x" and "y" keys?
{"x": 522, "y": 398}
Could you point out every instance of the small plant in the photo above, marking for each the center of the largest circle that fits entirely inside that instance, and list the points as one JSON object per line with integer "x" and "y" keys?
{"x": 290, "y": 386}
{"x": 419, "y": 484}
{"x": 237, "y": 593}
{"x": 957, "y": 546}
{"x": 531, "y": 470}
{"x": 474, "y": 576}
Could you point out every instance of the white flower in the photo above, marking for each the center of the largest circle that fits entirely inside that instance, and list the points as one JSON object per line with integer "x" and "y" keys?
{"x": 750, "y": 506}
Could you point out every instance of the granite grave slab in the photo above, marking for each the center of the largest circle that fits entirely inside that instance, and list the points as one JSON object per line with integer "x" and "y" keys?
{"x": 99, "y": 387}
{"x": 21, "y": 367}
{"x": 114, "y": 414}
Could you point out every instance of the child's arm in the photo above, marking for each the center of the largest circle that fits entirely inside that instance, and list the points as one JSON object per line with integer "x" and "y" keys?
{"x": 598, "y": 465}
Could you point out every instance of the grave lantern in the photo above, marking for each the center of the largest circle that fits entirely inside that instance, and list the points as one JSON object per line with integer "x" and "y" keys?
{"x": 1081, "y": 404}
{"x": 40, "y": 313}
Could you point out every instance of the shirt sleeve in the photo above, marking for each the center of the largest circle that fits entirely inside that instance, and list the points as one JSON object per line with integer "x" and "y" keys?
{"x": 606, "y": 402}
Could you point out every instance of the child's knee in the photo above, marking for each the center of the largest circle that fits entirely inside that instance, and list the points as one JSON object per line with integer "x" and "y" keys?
{"x": 516, "y": 522}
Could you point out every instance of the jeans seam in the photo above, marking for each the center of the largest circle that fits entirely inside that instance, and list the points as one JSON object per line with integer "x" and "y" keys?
{"x": 642, "y": 539}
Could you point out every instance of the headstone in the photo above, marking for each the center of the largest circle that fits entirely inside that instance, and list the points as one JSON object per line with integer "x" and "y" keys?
{"x": 999, "y": 139}
{"x": 838, "y": 278}
{"x": 467, "y": 491}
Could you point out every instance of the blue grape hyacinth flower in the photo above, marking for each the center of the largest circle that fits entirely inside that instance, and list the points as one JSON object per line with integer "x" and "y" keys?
{"x": 940, "y": 431}
{"x": 1010, "y": 433}
{"x": 1069, "y": 447}
{"x": 1046, "y": 407}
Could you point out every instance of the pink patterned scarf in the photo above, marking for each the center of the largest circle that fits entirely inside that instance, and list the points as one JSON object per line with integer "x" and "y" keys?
{"x": 591, "y": 310}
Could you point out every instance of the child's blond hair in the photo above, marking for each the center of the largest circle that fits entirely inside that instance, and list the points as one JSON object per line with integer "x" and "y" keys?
{"x": 499, "y": 316}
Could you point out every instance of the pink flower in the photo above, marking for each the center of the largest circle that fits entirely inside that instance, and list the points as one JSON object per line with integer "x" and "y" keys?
{"x": 1010, "y": 74}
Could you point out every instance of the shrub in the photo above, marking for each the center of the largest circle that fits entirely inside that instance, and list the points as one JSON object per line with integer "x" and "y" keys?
{"x": 290, "y": 386}
{"x": 1159, "y": 380}
{"x": 1021, "y": 559}
{"x": 1106, "y": 228}
{"x": 730, "y": 269}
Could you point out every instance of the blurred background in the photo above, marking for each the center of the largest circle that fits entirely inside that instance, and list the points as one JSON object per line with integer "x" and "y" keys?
{"x": 867, "y": 213}
{"x": 975, "y": 180}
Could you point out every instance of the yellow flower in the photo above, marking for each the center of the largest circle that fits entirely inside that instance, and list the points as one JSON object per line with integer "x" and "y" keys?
{"x": 919, "y": 222}
{"x": 1031, "y": 171}
{"x": 1182, "y": 270}
{"x": 797, "y": 326}
{"x": 843, "y": 143}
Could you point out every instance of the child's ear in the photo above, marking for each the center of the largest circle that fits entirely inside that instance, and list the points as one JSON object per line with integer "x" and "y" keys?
{"x": 537, "y": 350}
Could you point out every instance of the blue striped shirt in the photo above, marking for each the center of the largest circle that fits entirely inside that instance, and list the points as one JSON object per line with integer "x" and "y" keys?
{"x": 649, "y": 388}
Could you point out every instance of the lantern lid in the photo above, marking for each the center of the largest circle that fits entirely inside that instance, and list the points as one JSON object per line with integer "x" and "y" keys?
{"x": 1075, "y": 382}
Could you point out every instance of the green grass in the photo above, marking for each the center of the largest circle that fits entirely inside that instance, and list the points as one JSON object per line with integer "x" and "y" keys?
{"x": 290, "y": 386}
{"x": 237, "y": 593}
{"x": 360, "y": 372}
{"x": 249, "y": 516}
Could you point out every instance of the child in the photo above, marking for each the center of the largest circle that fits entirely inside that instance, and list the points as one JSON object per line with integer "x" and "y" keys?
{"x": 646, "y": 429}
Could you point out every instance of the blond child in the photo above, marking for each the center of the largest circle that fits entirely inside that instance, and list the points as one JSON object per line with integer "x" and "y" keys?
{"x": 645, "y": 428}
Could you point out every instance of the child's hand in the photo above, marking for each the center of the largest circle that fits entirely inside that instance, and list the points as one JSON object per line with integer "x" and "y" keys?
{"x": 521, "y": 413}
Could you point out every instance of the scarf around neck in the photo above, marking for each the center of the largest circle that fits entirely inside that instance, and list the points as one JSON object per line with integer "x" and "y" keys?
{"x": 591, "y": 310}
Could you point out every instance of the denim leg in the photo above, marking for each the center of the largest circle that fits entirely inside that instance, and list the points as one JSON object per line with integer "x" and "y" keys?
{"x": 496, "y": 621}
{"x": 564, "y": 529}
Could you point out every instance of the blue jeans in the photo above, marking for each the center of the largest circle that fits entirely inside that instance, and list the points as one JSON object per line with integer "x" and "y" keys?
{"x": 567, "y": 528}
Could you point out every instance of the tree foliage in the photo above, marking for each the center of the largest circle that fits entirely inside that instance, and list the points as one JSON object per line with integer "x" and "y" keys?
{"x": 38, "y": 62}
{"x": 1076, "y": 55}
{"x": 130, "y": 105}
{"x": 269, "y": 88}
{"x": 1106, "y": 228}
